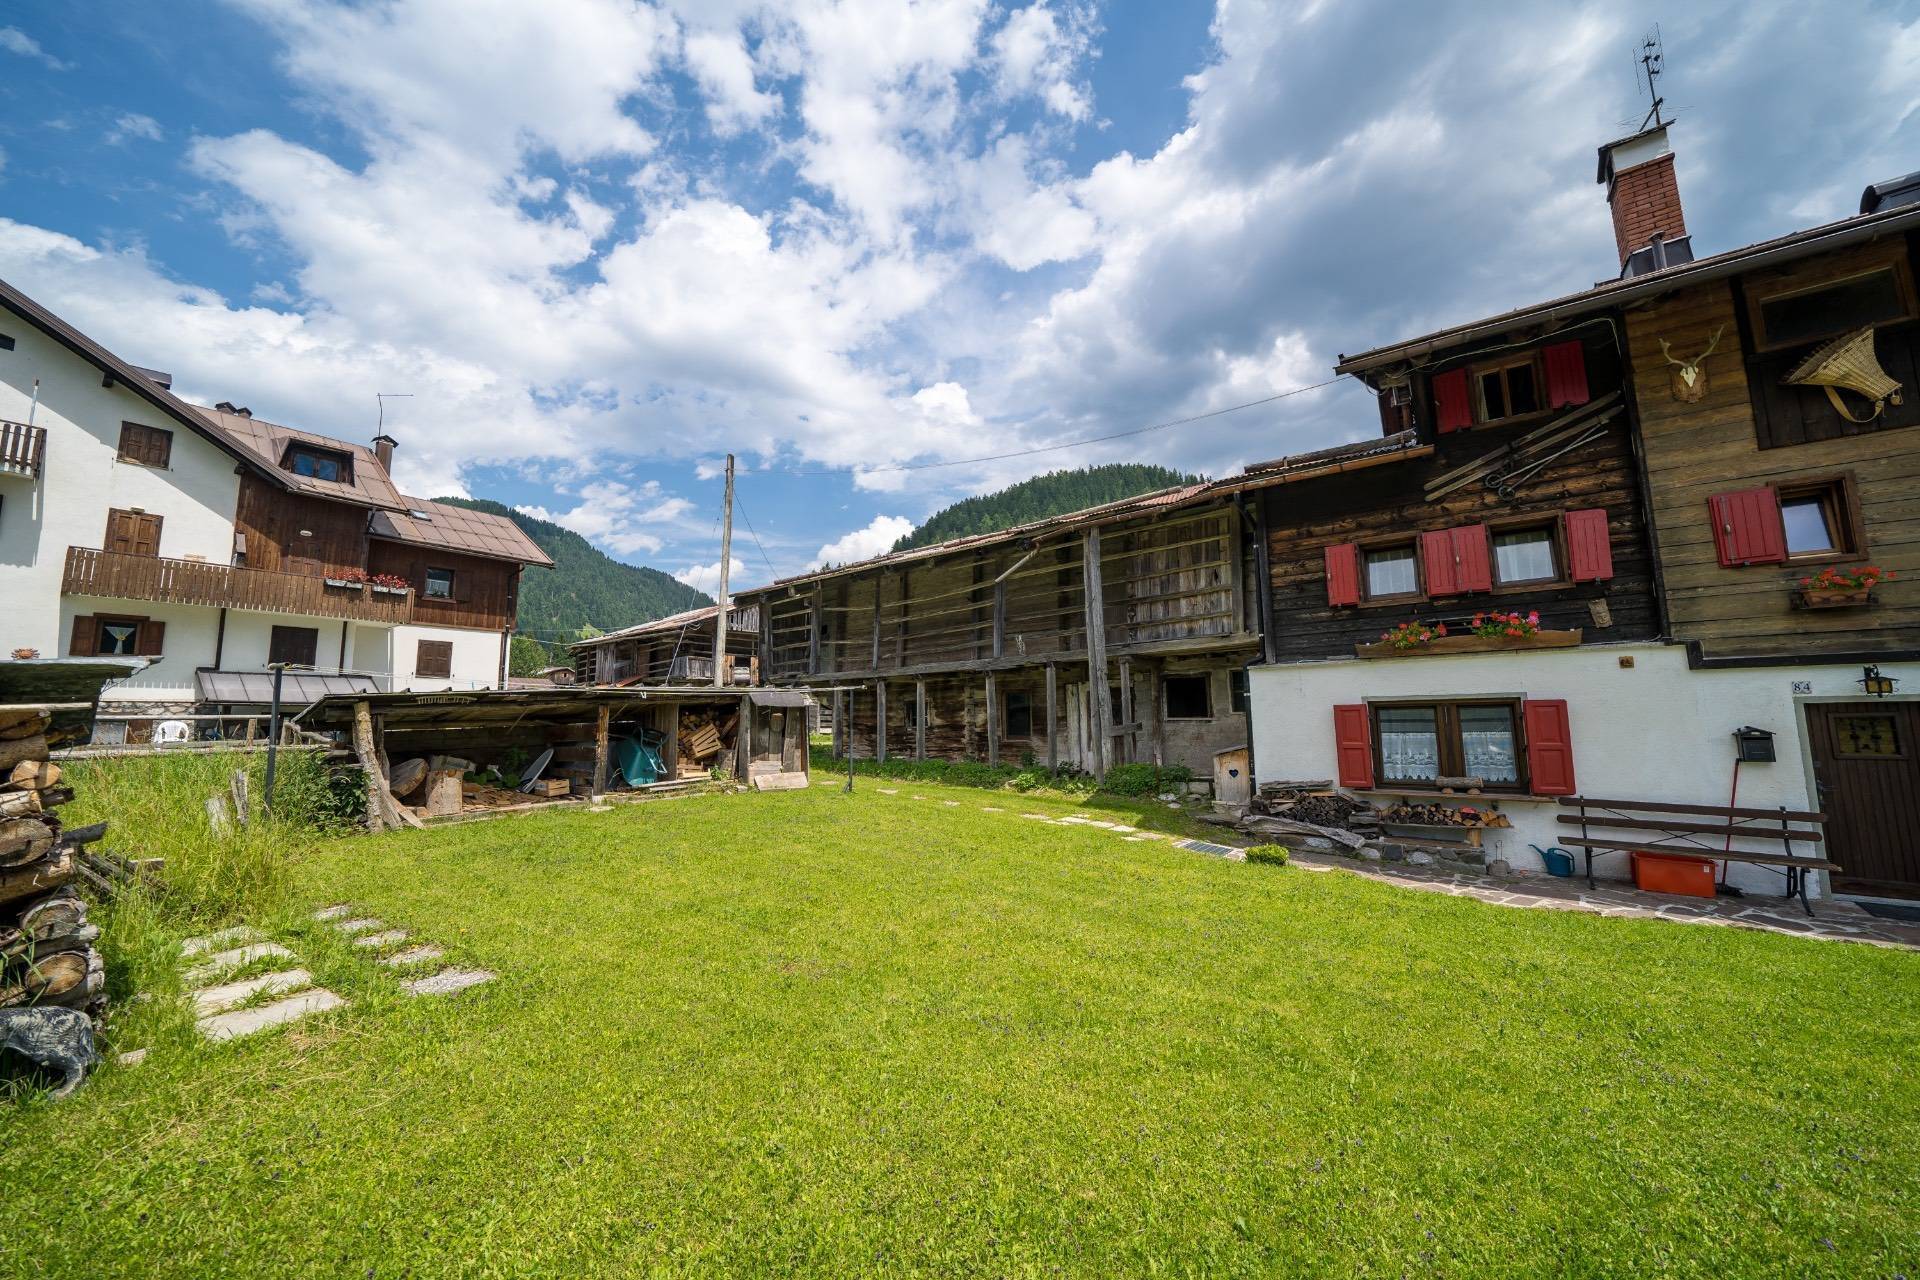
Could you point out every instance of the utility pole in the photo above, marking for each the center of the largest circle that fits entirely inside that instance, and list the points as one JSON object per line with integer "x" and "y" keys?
{"x": 720, "y": 663}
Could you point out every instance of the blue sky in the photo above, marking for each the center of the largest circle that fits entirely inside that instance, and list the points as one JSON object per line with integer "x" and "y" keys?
{"x": 602, "y": 242}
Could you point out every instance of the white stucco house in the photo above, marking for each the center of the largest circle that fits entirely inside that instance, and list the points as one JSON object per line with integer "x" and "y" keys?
{"x": 213, "y": 543}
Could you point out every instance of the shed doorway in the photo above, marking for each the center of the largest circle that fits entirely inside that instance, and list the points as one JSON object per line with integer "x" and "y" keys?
{"x": 1866, "y": 766}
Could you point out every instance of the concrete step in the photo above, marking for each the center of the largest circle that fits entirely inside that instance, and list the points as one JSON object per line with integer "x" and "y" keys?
{"x": 446, "y": 982}
{"x": 385, "y": 938}
{"x": 363, "y": 924}
{"x": 220, "y": 940}
{"x": 246, "y": 1022}
{"x": 412, "y": 955}
{"x": 215, "y": 965}
{"x": 225, "y": 996}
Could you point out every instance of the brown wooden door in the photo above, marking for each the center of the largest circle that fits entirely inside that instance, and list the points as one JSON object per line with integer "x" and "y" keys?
{"x": 134, "y": 532}
{"x": 1866, "y": 763}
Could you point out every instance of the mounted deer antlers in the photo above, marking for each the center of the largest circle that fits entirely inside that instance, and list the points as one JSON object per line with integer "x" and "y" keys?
{"x": 1690, "y": 380}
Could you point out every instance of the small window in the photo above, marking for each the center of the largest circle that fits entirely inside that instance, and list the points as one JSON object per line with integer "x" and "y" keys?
{"x": 1821, "y": 519}
{"x": 1391, "y": 571}
{"x": 1507, "y": 389}
{"x": 439, "y": 584}
{"x": 297, "y": 645}
{"x": 1019, "y": 714}
{"x": 119, "y": 637}
{"x": 145, "y": 446}
{"x": 434, "y": 660}
{"x": 1805, "y": 316}
{"x": 1524, "y": 555}
{"x": 319, "y": 464}
{"x": 1419, "y": 744}
{"x": 1237, "y": 691}
{"x": 1866, "y": 736}
{"x": 1189, "y": 698}
{"x": 912, "y": 705}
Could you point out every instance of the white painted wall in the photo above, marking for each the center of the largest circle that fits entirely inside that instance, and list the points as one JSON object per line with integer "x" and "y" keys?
{"x": 476, "y": 658}
{"x": 81, "y": 480}
{"x": 1657, "y": 731}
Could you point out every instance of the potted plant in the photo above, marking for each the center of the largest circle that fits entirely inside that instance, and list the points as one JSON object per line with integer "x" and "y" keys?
{"x": 1412, "y": 635}
{"x": 1484, "y": 632}
{"x": 1837, "y": 588}
{"x": 1506, "y": 626}
{"x": 354, "y": 578}
{"x": 390, "y": 584}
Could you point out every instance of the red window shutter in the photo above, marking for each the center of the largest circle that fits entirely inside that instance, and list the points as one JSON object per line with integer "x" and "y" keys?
{"x": 1472, "y": 565}
{"x": 1353, "y": 745}
{"x": 1589, "y": 552}
{"x": 1549, "y": 746}
{"x": 1452, "y": 407}
{"x": 1437, "y": 563}
{"x": 86, "y": 635}
{"x": 150, "y": 640}
{"x": 1343, "y": 574}
{"x": 1747, "y": 528}
{"x": 1566, "y": 375}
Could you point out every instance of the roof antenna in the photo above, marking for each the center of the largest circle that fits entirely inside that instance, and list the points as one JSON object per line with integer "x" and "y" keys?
{"x": 383, "y": 397}
{"x": 1652, "y": 58}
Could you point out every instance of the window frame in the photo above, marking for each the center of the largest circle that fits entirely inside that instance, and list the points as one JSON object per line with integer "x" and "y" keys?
{"x": 1411, "y": 544}
{"x": 1205, "y": 680}
{"x": 273, "y": 642}
{"x": 1554, "y": 526}
{"x": 1535, "y": 364}
{"x": 1839, "y": 494}
{"x": 442, "y": 648}
{"x": 1453, "y": 749}
{"x": 100, "y": 622}
{"x": 150, "y": 435}
{"x": 339, "y": 456}
{"x": 426, "y": 583}
{"x": 1800, "y": 280}
{"x": 1239, "y": 691}
{"x": 1006, "y": 713}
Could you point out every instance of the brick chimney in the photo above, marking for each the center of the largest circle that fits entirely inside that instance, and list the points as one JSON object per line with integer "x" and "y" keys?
{"x": 383, "y": 449}
{"x": 1649, "y": 226}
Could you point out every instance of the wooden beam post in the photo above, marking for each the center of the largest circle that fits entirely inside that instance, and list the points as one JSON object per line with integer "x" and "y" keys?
{"x": 919, "y": 719}
{"x": 363, "y": 751}
{"x": 993, "y": 720}
{"x": 1101, "y": 718}
{"x": 839, "y": 724}
{"x": 1000, "y": 618}
{"x": 1131, "y": 743}
{"x": 1053, "y": 736}
{"x": 1156, "y": 711}
{"x": 813, "y": 633}
{"x": 880, "y": 720}
{"x": 877, "y": 578}
{"x": 601, "y": 724}
{"x": 767, "y": 664}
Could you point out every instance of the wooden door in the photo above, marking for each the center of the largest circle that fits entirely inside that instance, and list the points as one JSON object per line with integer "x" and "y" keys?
{"x": 133, "y": 532}
{"x": 1866, "y": 763}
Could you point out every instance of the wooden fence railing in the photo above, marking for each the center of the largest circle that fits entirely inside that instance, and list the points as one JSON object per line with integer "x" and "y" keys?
{"x": 123, "y": 576}
{"x": 22, "y": 448}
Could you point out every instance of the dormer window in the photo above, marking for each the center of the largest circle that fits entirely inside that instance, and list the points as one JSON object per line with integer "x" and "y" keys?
{"x": 319, "y": 464}
{"x": 1507, "y": 388}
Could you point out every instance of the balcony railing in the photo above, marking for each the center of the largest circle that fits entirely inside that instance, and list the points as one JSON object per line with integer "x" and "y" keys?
{"x": 123, "y": 576}
{"x": 22, "y": 449}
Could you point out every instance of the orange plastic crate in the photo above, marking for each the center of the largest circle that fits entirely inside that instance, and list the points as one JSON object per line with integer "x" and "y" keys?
{"x": 1673, "y": 873}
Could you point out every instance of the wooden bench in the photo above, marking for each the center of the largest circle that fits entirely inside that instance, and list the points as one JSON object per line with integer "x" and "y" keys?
{"x": 1702, "y": 831}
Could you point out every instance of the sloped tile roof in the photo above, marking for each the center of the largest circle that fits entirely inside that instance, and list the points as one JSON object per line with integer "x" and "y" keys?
{"x": 268, "y": 441}
{"x": 475, "y": 533}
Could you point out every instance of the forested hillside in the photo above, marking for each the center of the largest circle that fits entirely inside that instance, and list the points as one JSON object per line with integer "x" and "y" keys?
{"x": 1053, "y": 494}
{"x": 585, "y": 589}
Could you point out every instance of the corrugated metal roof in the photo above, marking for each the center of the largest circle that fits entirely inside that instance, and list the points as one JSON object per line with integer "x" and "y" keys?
{"x": 297, "y": 689}
{"x": 743, "y": 619}
{"x": 475, "y": 533}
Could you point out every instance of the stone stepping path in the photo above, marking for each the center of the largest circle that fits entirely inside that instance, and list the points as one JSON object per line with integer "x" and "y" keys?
{"x": 223, "y": 1010}
{"x": 361, "y": 925}
{"x": 334, "y": 912}
{"x": 220, "y": 940}
{"x": 215, "y": 965}
{"x": 385, "y": 938}
{"x": 244, "y": 1022}
{"x": 446, "y": 982}
{"x": 374, "y": 935}
{"x": 412, "y": 956}
{"x": 228, "y": 994}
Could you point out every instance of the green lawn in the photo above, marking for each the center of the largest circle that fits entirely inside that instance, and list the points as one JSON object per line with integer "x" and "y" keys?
{"x": 828, "y": 1035}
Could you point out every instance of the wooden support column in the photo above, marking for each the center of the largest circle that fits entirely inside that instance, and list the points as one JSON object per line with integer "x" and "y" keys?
{"x": 1053, "y": 736}
{"x": 900, "y": 621}
{"x": 813, "y": 634}
{"x": 1156, "y": 711}
{"x": 880, "y": 720}
{"x": 767, "y": 665}
{"x": 877, "y": 578}
{"x": 1132, "y": 741}
{"x": 601, "y": 724}
{"x": 840, "y": 725}
{"x": 383, "y": 811}
{"x": 993, "y": 720}
{"x": 919, "y": 719}
{"x": 1101, "y": 717}
{"x": 1000, "y": 618}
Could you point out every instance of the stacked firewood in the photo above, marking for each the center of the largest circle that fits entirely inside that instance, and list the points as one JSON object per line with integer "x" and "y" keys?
{"x": 1442, "y": 815}
{"x": 1317, "y": 802}
{"x": 705, "y": 736}
{"x": 46, "y": 944}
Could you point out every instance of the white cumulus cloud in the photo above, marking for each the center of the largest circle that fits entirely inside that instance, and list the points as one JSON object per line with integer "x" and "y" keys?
{"x": 862, "y": 544}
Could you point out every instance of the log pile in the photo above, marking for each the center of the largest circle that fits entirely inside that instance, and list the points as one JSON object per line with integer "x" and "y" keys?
{"x": 1311, "y": 811}
{"x": 705, "y": 736}
{"x": 46, "y": 944}
{"x": 1408, "y": 813}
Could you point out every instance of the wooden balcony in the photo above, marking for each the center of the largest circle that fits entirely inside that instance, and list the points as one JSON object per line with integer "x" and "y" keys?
{"x": 119, "y": 575}
{"x": 22, "y": 449}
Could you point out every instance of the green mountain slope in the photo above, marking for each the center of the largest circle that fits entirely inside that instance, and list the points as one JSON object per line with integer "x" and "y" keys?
{"x": 1053, "y": 494}
{"x": 585, "y": 588}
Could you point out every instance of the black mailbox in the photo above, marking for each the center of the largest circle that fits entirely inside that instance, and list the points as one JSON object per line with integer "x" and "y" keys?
{"x": 1753, "y": 746}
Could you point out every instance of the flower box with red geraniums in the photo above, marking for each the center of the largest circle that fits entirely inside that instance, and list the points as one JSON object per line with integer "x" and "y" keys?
{"x": 1837, "y": 588}
{"x": 1484, "y": 633}
{"x": 1412, "y": 635}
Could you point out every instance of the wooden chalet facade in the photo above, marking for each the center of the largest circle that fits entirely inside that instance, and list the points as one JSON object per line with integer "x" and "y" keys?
{"x": 1645, "y": 469}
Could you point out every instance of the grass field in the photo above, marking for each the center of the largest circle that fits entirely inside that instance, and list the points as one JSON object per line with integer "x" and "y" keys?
{"x": 829, "y": 1035}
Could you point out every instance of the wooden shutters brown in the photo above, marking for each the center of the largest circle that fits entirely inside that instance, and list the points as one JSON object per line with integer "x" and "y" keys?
{"x": 134, "y": 533}
{"x": 84, "y": 641}
{"x": 298, "y": 645}
{"x": 148, "y": 446}
{"x": 434, "y": 661}
{"x": 150, "y": 638}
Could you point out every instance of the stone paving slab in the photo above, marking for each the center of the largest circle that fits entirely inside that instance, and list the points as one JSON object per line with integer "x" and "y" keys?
{"x": 219, "y": 940}
{"x": 385, "y": 938}
{"x": 215, "y": 965}
{"x": 446, "y": 982}
{"x": 412, "y": 955}
{"x": 131, "y": 1058}
{"x": 228, "y": 994}
{"x": 360, "y": 925}
{"x": 245, "y": 1022}
{"x": 334, "y": 912}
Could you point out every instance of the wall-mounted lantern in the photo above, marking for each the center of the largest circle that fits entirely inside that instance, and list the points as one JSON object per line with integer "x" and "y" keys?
{"x": 1876, "y": 684}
